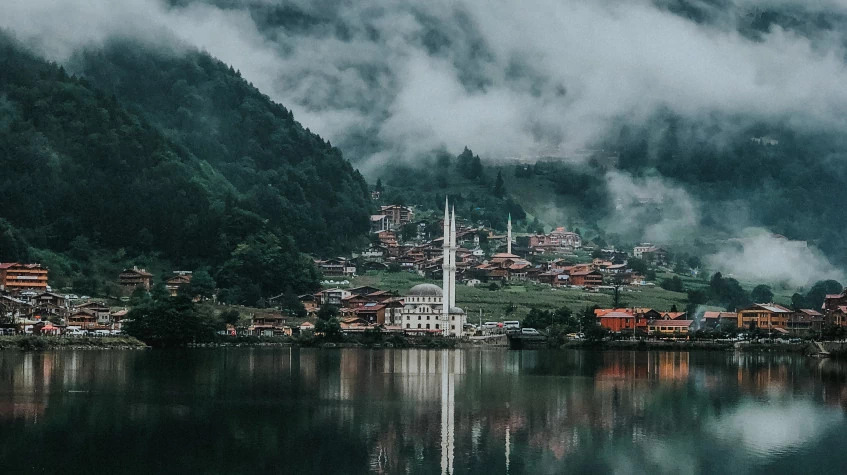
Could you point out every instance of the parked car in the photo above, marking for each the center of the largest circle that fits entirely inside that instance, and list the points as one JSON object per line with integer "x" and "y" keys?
{"x": 529, "y": 331}
{"x": 101, "y": 332}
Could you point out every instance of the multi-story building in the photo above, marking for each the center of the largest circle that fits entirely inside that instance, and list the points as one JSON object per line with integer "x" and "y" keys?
{"x": 130, "y": 279}
{"x": 397, "y": 215}
{"x": 764, "y": 315}
{"x": 16, "y": 277}
{"x": 178, "y": 283}
{"x": 379, "y": 223}
{"x": 558, "y": 239}
{"x": 806, "y": 320}
{"x": 338, "y": 267}
{"x": 334, "y": 297}
{"x": 591, "y": 278}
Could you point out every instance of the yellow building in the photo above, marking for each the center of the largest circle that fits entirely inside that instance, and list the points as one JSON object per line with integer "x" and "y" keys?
{"x": 670, "y": 327}
{"x": 764, "y": 315}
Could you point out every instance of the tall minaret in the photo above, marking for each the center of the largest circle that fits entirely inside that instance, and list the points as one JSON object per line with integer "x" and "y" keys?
{"x": 445, "y": 270}
{"x": 509, "y": 235}
{"x": 453, "y": 259}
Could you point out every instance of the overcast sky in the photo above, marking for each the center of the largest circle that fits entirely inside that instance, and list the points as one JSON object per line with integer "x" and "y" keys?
{"x": 505, "y": 78}
{"x": 390, "y": 80}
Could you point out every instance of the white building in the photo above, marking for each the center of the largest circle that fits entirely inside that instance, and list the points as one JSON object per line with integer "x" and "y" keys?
{"x": 379, "y": 223}
{"x": 639, "y": 250}
{"x": 433, "y": 308}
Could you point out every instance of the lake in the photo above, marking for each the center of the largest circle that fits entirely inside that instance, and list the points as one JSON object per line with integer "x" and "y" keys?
{"x": 290, "y": 410}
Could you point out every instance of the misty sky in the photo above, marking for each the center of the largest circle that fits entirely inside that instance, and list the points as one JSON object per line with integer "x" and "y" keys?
{"x": 387, "y": 80}
{"x": 505, "y": 78}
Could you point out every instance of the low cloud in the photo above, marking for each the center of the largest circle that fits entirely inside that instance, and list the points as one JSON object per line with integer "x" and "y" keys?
{"x": 650, "y": 208}
{"x": 505, "y": 79}
{"x": 762, "y": 256}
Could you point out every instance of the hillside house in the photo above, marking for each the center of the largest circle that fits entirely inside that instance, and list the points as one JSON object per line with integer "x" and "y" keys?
{"x": 397, "y": 215}
{"x": 84, "y": 319}
{"x": 16, "y": 277}
{"x": 373, "y": 313}
{"x": 333, "y": 297}
{"x": 337, "y": 267}
{"x": 586, "y": 278}
{"x": 130, "y": 279}
{"x": 379, "y": 223}
{"x": 179, "y": 283}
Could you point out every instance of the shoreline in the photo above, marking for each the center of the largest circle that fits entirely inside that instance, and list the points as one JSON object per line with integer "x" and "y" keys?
{"x": 42, "y": 343}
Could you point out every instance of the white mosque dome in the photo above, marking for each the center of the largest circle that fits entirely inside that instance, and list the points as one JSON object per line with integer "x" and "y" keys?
{"x": 456, "y": 310}
{"x": 425, "y": 290}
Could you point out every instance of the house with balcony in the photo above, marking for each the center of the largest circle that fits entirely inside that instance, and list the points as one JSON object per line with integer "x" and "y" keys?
{"x": 16, "y": 277}
{"x": 131, "y": 279}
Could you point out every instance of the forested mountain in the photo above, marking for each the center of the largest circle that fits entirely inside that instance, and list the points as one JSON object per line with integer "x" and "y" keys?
{"x": 290, "y": 176}
{"x": 172, "y": 155}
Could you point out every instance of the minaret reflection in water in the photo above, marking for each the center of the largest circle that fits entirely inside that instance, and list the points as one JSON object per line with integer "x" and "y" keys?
{"x": 448, "y": 405}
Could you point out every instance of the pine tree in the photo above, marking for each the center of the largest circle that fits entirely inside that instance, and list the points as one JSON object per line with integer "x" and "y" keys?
{"x": 499, "y": 186}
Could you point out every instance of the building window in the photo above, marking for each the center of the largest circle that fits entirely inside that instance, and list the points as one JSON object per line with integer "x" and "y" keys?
{"x": 452, "y": 327}
{"x": 427, "y": 326}
{"x": 408, "y": 326}
{"x": 436, "y": 326}
{"x": 419, "y": 325}
{"x": 427, "y": 317}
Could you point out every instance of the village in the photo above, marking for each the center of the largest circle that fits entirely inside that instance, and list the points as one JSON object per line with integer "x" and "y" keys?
{"x": 471, "y": 256}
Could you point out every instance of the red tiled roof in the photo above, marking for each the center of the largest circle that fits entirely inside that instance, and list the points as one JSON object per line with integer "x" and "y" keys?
{"x": 718, "y": 315}
{"x": 599, "y": 312}
{"x": 617, "y": 315}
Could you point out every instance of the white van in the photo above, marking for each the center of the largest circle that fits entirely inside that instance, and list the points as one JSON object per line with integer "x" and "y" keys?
{"x": 512, "y": 325}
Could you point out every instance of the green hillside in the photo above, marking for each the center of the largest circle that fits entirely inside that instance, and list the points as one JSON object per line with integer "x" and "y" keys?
{"x": 128, "y": 172}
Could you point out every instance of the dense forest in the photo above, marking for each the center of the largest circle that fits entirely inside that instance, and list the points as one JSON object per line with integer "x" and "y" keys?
{"x": 478, "y": 193}
{"x": 150, "y": 153}
{"x": 782, "y": 178}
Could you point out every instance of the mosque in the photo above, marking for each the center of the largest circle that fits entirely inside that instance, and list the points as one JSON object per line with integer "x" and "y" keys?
{"x": 433, "y": 308}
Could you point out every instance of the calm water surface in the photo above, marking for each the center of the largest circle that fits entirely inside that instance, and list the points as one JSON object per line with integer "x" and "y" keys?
{"x": 289, "y": 410}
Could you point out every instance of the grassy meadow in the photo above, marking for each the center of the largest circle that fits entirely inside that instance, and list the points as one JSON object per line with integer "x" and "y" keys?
{"x": 514, "y": 301}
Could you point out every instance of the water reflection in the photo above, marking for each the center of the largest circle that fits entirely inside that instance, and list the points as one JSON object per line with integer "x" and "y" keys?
{"x": 420, "y": 411}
